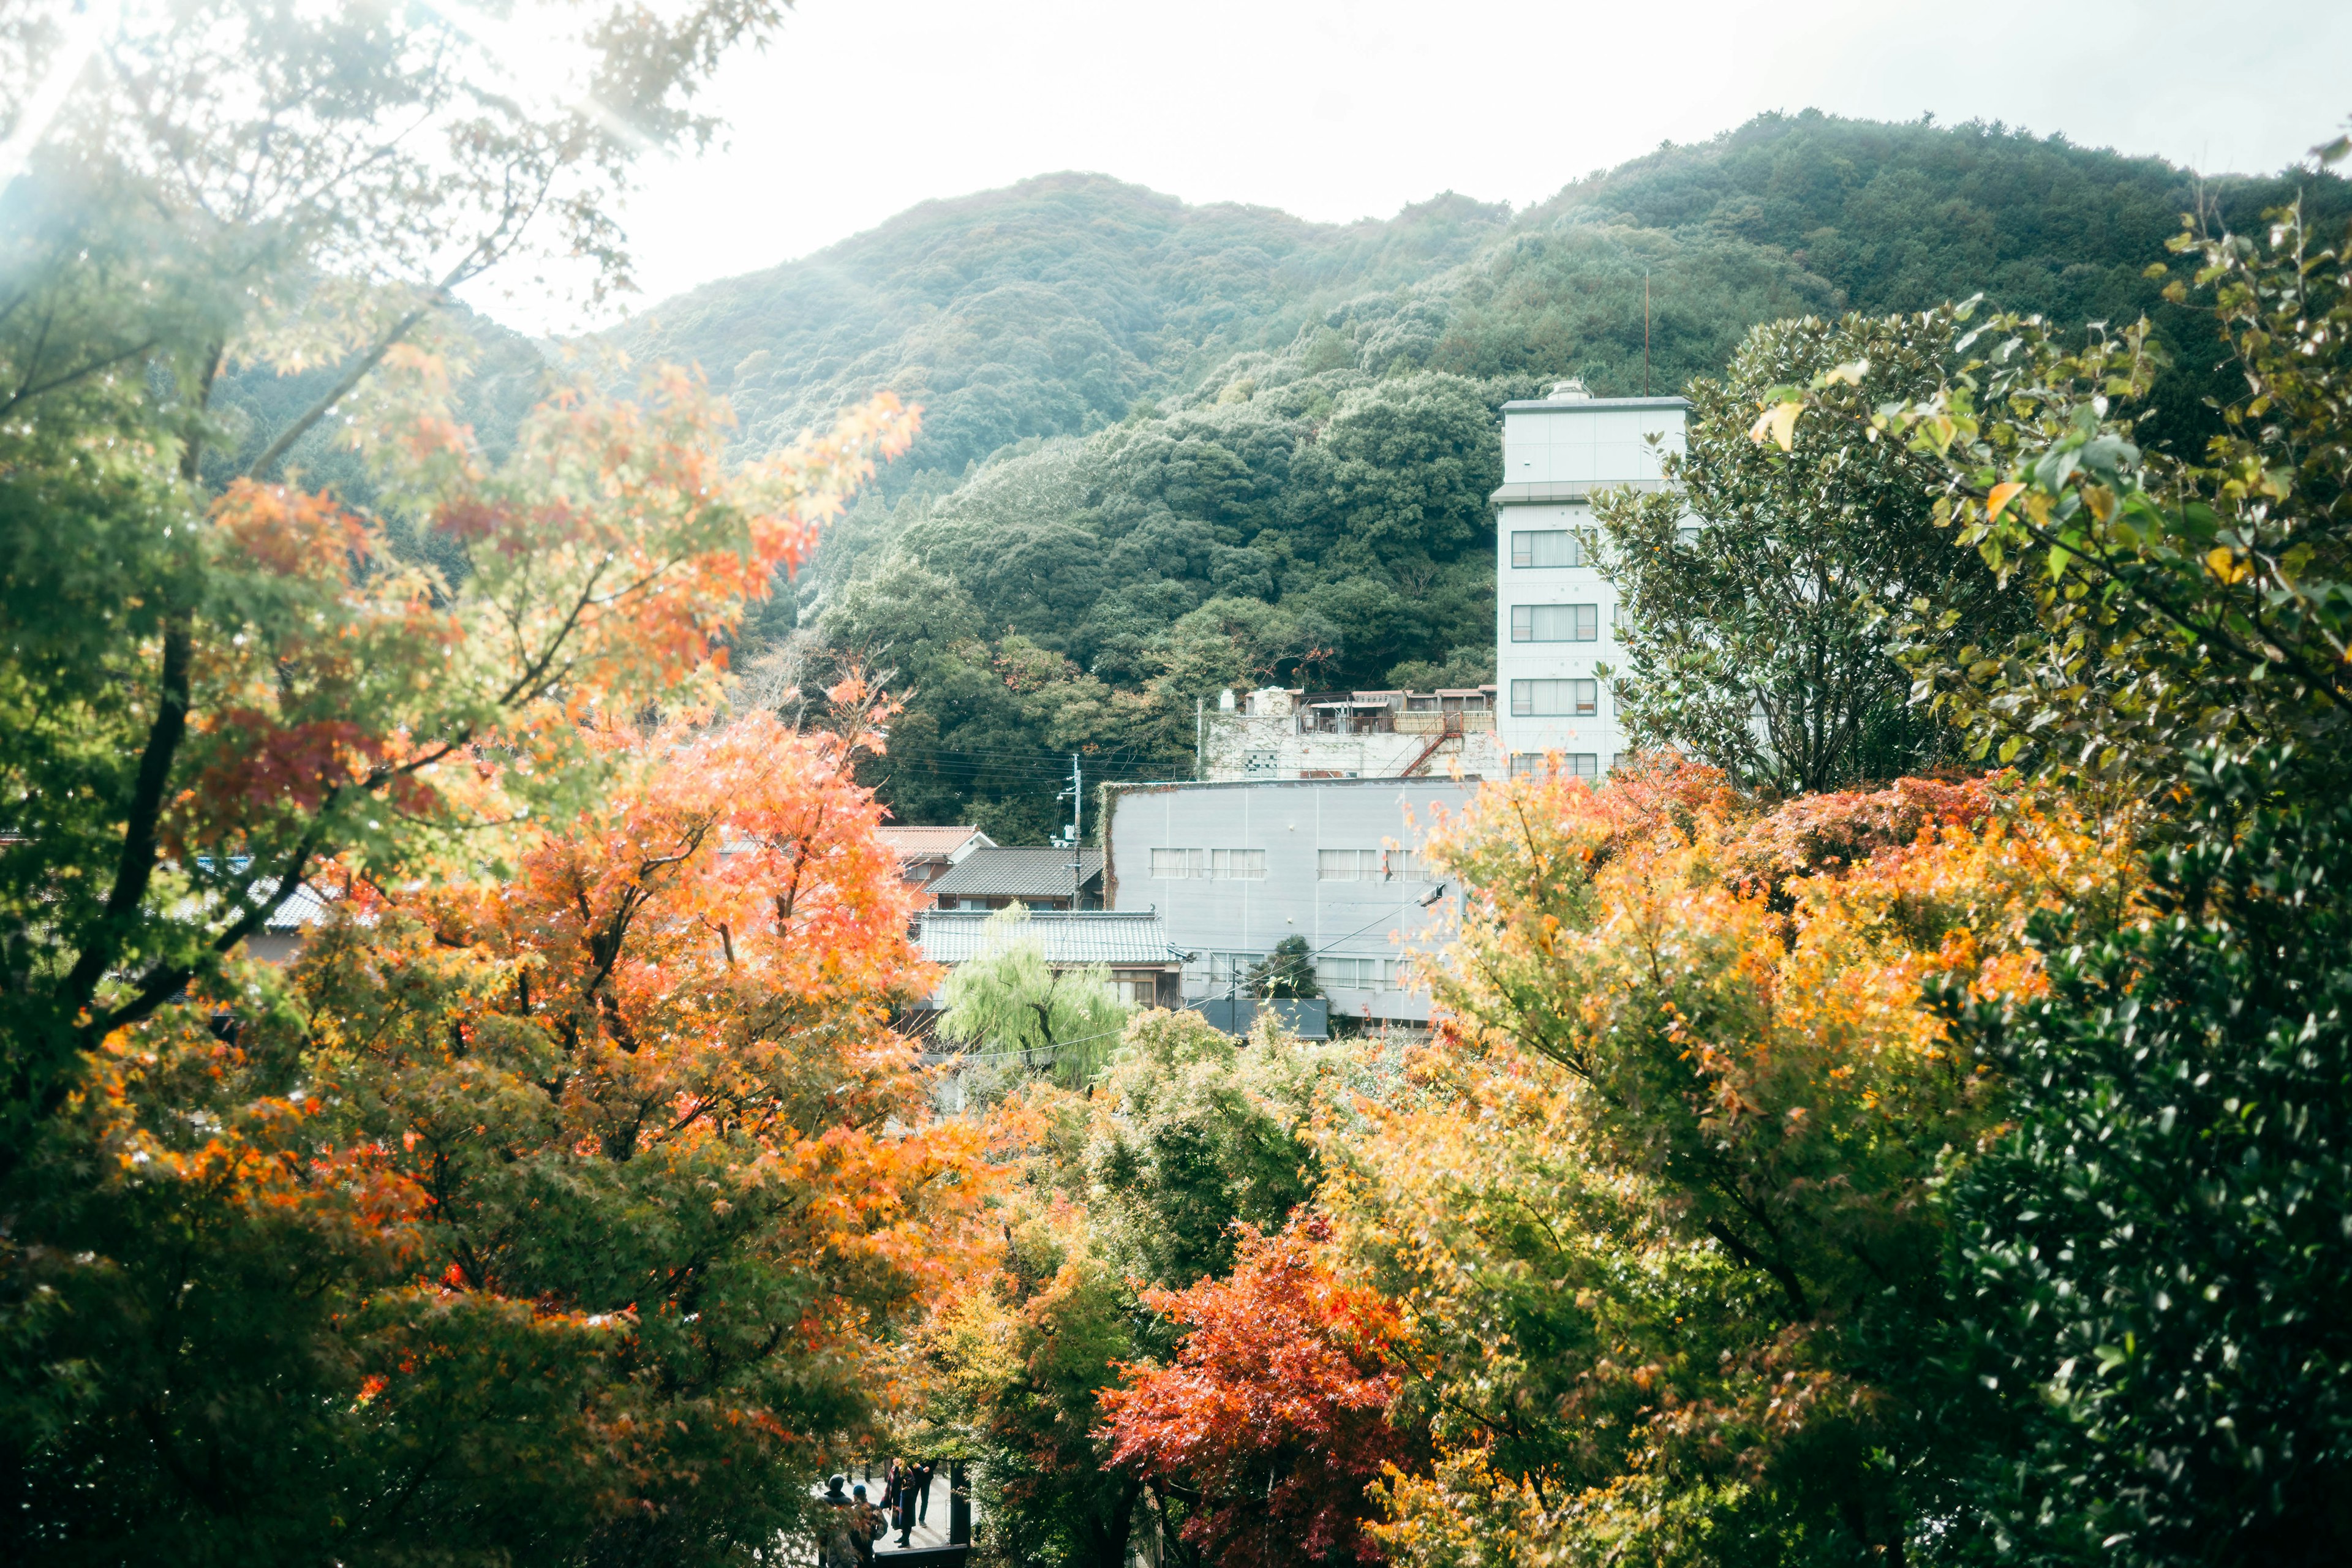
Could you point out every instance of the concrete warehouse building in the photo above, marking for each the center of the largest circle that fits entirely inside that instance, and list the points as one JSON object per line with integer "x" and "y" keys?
{"x": 1555, "y": 616}
{"x": 1234, "y": 867}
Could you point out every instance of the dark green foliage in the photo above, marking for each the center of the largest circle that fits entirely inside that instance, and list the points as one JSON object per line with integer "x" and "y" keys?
{"x": 2177, "y": 605}
{"x": 2154, "y": 1267}
{"x": 1287, "y": 972}
{"x": 1048, "y": 309}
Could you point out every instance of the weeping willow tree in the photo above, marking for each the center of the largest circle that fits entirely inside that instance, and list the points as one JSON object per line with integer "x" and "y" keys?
{"x": 1014, "y": 1007}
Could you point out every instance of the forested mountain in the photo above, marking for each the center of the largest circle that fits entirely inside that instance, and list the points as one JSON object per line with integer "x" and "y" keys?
{"x": 1170, "y": 449}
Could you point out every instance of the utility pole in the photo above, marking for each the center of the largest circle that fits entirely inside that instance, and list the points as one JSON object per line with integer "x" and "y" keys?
{"x": 1078, "y": 832}
{"x": 1645, "y": 334}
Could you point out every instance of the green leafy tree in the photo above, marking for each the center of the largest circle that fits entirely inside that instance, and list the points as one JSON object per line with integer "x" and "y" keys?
{"x": 1760, "y": 643}
{"x": 1011, "y": 1005}
{"x": 2178, "y": 605}
{"x": 1287, "y": 972}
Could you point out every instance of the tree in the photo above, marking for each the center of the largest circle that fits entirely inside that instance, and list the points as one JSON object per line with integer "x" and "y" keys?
{"x": 1010, "y": 1001}
{"x": 557, "y": 1216}
{"x": 2146, "y": 1271}
{"x": 1140, "y": 1182}
{"x": 1271, "y": 1420}
{"x": 2147, "y": 1268}
{"x": 1760, "y": 644}
{"x": 1657, "y": 1207}
{"x": 2180, "y": 604}
{"x": 1287, "y": 972}
{"x": 208, "y": 706}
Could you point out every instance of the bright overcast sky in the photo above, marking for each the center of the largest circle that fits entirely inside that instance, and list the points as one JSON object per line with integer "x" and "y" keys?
{"x": 1343, "y": 111}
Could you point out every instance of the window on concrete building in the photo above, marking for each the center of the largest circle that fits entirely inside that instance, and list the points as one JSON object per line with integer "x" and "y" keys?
{"x": 1555, "y": 698}
{"x": 1225, "y": 968}
{"x": 1687, "y": 537}
{"x": 1206, "y": 864}
{"x": 1549, "y": 547}
{"x": 1348, "y": 865}
{"x": 1555, "y": 623}
{"x": 1406, "y": 865}
{"x": 1572, "y": 764}
{"x": 1354, "y": 974}
{"x": 1261, "y": 764}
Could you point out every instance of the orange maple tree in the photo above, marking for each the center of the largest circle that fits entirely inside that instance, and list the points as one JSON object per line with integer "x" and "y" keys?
{"x": 1272, "y": 1421}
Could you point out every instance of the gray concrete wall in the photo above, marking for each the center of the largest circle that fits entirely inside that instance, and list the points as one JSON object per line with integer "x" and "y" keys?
{"x": 1350, "y": 922}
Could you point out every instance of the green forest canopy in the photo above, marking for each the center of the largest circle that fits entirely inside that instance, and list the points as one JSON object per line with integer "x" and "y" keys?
{"x": 1170, "y": 449}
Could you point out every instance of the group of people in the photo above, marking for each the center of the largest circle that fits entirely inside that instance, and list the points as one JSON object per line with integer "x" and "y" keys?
{"x": 855, "y": 1524}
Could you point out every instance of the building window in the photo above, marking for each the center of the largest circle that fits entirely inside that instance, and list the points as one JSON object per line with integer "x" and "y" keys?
{"x": 1687, "y": 537}
{"x": 1555, "y": 623}
{"x": 1550, "y": 547}
{"x": 1137, "y": 989}
{"x": 1203, "y": 865}
{"x": 1354, "y": 974}
{"x": 1572, "y": 764}
{"x": 1348, "y": 865}
{"x": 1225, "y": 968}
{"x": 1555, "y": 698}
{"x": 1261, "y": 764}
{"x": 1405, "y": 865}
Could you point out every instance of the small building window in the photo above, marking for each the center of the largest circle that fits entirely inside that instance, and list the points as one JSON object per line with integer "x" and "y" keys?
{"x": 1261, "y": 764}
{"x": 1202, "y": 865}
{"x": 1354, "y": 974}
{"x": 1572, "y": 764}
{"x": 1555, "y": 698}
{"x": 1550, "y": 547}
{"x": 1136, "y": 988}
{"x": 1405, "y": 865}
{"x": 1237, "y": 865}
{"x": 1555, "y": 623}
{"x": 1225, "y": 968}
{"x": 1348, "y": 865}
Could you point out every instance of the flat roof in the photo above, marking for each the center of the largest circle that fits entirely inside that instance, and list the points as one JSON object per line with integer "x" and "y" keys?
{"x": 1140, "y": 785}
{"x": 1579, "y": 405}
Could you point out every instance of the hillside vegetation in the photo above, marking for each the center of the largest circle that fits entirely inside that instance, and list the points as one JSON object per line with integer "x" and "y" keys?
{"x": 1170, "y": 448}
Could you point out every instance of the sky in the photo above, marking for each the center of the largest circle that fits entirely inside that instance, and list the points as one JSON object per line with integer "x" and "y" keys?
{"x": 1336, "y": 111}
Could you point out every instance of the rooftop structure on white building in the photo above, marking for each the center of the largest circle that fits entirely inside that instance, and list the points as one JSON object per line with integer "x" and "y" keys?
{"x": 1291, "y": 733}
{"x": 1556, "y": 621}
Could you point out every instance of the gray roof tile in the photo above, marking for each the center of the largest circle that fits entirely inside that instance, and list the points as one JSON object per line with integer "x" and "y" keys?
{"x": 1017, "y": 873}
{"x": 1090, "y": 936}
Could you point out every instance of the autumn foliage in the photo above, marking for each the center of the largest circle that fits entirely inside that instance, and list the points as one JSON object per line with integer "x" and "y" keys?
{"x": 1272, "y": 1417}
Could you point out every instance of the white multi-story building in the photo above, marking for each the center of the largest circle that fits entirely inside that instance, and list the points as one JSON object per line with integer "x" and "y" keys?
{"x": 1556, "y": 614}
